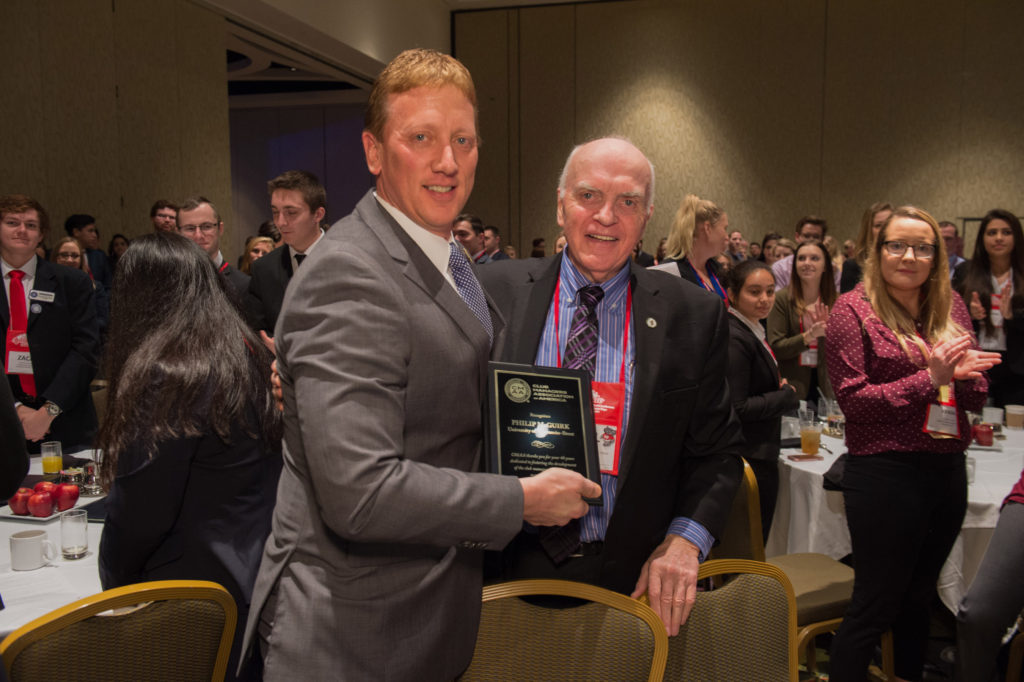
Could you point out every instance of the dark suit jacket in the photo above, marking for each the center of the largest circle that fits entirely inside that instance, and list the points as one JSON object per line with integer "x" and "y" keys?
{"x": 198, "y": 509}
{"x": 13, "y": 456}
{"x": 270, "y": 277}
{"x": 681, "y": 453}
{"x": 756, "y": 396}
{"x": 64, "y": 340}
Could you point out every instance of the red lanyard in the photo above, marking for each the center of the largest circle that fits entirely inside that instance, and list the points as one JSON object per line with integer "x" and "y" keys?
{"x": 625, "y": 330}
{"x": 223, "y": 266}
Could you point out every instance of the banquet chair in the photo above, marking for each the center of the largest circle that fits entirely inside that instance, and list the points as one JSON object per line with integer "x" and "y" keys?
{"x": 168, "y": 630}
{"x": 743, "y": 631}
{"x": 822, "y": 585}
{"x": 609, "y": 636}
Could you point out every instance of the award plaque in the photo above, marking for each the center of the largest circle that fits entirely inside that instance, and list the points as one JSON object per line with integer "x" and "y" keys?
{"x": 538, "y": 418}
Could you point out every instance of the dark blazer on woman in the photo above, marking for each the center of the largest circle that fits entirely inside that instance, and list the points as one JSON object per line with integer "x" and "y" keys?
{"x": 199, "y": 509}
{"x": 756, "y": 396}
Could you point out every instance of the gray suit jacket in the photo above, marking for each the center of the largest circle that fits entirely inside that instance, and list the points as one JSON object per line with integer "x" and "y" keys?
{"x": 373, "y": 566}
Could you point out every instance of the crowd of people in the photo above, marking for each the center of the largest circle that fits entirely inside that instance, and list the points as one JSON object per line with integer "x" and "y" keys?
{"x": 350, "y": 520}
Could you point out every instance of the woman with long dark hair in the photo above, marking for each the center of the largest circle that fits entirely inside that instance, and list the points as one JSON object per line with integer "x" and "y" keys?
{"x": 906, "y": 370}
{"x": 760, "y": 395}
{"x": 798, "y": 322}
{"x": 191, "y": 439}
{"x": 992, "y": 285}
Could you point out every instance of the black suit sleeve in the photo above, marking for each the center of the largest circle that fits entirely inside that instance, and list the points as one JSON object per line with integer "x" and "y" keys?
{"x": 14, "y": 455}
{"x": 70, "y": 383}
{"x": 142, "y": 508}
{"x": 753, "y": 396}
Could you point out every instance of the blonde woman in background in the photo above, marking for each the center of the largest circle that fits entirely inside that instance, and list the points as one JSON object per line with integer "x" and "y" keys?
{"x": 70, "y": 252}
{"x": 700, "y": 232}
{"x": 871, "y": 222}
{"x": 255, "y": 248}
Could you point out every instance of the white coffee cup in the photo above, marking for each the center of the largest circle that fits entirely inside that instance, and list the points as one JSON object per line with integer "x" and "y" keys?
{"x": 1015, "y": 416}
{"x": 992, "y": 415}
{"x": 31, "y": 550}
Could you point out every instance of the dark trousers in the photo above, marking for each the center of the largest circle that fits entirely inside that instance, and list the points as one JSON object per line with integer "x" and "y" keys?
{"x": 995, "y": 598}
{"x": 904, "y": 511}
{"x": 767, "y": 474}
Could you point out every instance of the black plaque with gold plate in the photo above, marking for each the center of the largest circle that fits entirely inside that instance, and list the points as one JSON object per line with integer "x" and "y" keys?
{"x": 539, "y": 418}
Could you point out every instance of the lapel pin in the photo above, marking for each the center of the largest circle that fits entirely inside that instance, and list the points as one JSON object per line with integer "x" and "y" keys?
{"x": 36, "y": 308}
{"x": 651, "y": 322}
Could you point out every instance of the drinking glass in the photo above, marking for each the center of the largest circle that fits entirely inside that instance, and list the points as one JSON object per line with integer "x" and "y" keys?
{"x": 74, "y": 533}
{"x": 53, "y": 458}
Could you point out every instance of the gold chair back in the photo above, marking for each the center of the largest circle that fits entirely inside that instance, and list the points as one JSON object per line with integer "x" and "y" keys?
{"x": 610, "y": 636}
{"x": 177, "y": 630}
{"x": 743, "y": 631}
{"x": 741, "y": 538}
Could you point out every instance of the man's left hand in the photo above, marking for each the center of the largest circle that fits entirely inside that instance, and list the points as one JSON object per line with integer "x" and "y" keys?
{"x": 36, "y": 423}
{"x": 669, "y": 577}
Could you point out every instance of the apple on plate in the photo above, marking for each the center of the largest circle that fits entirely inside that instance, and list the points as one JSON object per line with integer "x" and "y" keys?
{"x": 41, "y": 504}
{"x": 67, "y": 495}
{"x": 45, "y": 486}
{"x": 19, "y": 501}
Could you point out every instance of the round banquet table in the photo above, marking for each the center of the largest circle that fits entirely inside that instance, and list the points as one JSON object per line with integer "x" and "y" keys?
{"x": 809, "y": 518}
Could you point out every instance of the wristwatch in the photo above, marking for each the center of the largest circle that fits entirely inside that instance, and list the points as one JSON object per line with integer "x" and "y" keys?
{"x": 52, "y": 409}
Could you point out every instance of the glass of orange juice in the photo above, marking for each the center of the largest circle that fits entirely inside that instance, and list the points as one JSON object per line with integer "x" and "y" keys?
{"x": 53, "y": 458}
{"x": 810, "y": 436}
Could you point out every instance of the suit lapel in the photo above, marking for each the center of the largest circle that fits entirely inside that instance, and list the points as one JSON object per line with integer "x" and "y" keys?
{"x": 286, "y": 263}
{"x": 421, "y": 271}
{"x": 530, "y": 318}
{"x": 649, "y": 325}
{"x": 46, "y": 280}
{"x": 5, "y": 310}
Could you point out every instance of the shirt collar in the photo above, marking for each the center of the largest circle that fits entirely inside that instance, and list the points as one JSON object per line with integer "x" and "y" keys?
{"x": 572, "y": 280}
{"x": 435, "y": 247}
{"x": 28, "y": 268}
{"x": 219, "y": 260}
{"x": 309, "y": 249}
{"x": 753, "y": 325}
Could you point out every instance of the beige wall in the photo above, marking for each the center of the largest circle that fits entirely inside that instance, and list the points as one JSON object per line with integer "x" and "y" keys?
{"x": 110, "y": 106}
{"x": 773, "y": 110}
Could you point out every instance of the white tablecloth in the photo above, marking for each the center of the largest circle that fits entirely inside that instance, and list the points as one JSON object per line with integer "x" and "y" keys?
{"x": 809, "y": 518}
{"x": 30, "y": 594}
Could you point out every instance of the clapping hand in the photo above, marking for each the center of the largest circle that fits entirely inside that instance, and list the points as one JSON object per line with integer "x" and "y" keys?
{"x": 977, "y": 310}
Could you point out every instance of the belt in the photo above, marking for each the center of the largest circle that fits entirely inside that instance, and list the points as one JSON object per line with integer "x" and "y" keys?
{"x": 588, "y": 549}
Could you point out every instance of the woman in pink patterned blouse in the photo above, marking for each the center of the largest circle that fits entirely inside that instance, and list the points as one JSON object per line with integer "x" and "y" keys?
{"x": 905, "y": 369}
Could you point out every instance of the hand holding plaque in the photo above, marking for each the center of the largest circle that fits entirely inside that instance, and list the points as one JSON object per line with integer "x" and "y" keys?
{"x": 540, "y": 418}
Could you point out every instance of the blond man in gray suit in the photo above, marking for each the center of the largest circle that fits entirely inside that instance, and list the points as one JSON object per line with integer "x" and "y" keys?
{"x": 373, "y": 566}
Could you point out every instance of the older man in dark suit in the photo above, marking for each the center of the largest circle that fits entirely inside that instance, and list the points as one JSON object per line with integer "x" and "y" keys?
{"x": 52, "y": 335}
{"x": 656, "y": 347}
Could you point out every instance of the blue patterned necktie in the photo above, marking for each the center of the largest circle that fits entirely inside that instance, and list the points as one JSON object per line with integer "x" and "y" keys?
{"x": 580, "y": 353}
{"x": 468, "y": 287}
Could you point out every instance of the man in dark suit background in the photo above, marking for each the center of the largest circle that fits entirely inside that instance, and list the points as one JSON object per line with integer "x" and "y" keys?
{"x": 55, "y": 303}
{"x": 199, "y": 221}
{"x": 663, "y": 343}
{"x": 298, "y": 203}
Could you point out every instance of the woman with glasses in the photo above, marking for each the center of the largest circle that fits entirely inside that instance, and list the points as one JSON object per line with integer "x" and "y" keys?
{"x": 992, "y": 285}
{"x": 797, "y": 323}
{"x": 906, "y": 369}
{"x": 700, "y": 232}
{"x": 69, "y": 252}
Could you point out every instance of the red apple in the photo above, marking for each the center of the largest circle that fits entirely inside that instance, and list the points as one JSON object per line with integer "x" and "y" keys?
{"x": 67, "y": 495}
{"x": 46, "y": 486}
{"x": 41, "y": 504}
{"x": 19, "y": 503}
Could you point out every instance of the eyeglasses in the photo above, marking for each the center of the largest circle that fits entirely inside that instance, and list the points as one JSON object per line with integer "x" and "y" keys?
{"x": 205, "y": 228}
{"x": 921, "y": 251}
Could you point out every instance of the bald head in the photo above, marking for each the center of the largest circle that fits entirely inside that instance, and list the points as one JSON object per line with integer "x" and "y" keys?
{"x": 604, "y": 201}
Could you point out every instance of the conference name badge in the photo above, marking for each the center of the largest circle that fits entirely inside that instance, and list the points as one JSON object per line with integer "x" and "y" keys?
{"x": 941, "y": 421}
{"x": 17, "y": 358}
{"x": 608, "y": 402}
{"x": 43, "y": 296}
